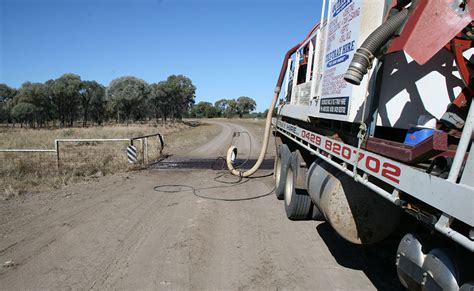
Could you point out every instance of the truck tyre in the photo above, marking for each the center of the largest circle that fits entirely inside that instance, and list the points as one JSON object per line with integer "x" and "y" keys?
{"x": 316, "y": 213}
{"x": 297, "y": 202}
{"x": 281, "y": 165}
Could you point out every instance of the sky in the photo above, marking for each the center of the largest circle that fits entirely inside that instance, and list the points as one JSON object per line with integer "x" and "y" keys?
{"x": 228, "y": 48}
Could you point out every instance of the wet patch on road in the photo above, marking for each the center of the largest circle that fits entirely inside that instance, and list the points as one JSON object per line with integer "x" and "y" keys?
{"x": 208, "y": 164}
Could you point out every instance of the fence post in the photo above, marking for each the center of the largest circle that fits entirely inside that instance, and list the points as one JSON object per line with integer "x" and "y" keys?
{"x": 145, "y": 155}
{"x": 56, "y": 147}
{"x": 142, "y": 150}
{"x": 161, "y": 144}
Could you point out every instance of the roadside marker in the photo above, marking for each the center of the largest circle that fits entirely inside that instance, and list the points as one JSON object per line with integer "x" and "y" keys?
{"x": 132, "y": 154}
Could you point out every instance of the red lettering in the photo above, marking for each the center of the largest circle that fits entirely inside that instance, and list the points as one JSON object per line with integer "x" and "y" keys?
{"x": 346, "y": 153}
{"x": 372, "y": 164}
{"x": 336, "y": 149}
{"x": 328, "y": 145}
{"x": 318, "y": 140}
{"x": 303, "y": 134}
{"x": 391, "y": 172}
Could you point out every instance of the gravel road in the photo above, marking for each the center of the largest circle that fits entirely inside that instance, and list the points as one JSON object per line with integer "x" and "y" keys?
{"x": 132, "y": 231}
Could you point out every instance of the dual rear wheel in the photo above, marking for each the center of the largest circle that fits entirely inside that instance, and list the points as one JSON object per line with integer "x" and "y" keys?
{"x": 298, "y": 204}
{"x": 281, "y": 168}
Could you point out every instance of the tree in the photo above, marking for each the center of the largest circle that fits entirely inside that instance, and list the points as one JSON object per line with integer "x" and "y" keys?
{"x": 221, "y": 106}
{"x": 159, "y": 100}
{"x": 232, "y": 108}
{"x": 68, "y": 98}
{"x": 126, "y": 94}
{"x": 65, "y": 96}
{"x": 90, "y": 91}
{"x": 4, "y": 112}
{"x": 245, "y": 105}
{"x": 35, "y": 94}
{"x": 6, "y": 93}
{"x": 98, "y": 112}
{"x": 181, "y": 93}
{"x": 173, "y": 97}
{"x": 24, "y": 112}
{"x": 204, "y": 109}
{"x": 6, "y": 97}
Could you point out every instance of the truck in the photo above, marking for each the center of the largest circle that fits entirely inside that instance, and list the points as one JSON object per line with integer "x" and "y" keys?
{"x": 375, "y": 124}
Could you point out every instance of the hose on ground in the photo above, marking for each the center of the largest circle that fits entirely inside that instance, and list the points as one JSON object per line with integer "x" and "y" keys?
{"x": 263, "y": 151}
{"x": 362, "y": 59}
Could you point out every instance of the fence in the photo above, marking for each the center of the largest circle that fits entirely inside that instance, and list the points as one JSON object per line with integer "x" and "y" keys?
{"x": 144, "y": 145}
{"x": 144, "y": 141}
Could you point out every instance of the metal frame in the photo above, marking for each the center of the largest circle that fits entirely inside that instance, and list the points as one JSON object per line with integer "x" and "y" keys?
{"x": 144, "y": 145}
{"x": 287, "y": 79}
{"x": 76, "y": 140}
{"x": 26, "y": 151}
{"x": 143, "y": 140}
{"x": 462, "y": 147}
{"x": 454, "y": 200}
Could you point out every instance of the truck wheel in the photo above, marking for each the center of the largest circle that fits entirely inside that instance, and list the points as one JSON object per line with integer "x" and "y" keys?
{"x": 281, "y": 166}
{"x": 316, "y": 213}
{"x": 297, "y": 202}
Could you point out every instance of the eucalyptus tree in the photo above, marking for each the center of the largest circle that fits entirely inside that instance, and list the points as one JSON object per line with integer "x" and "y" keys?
{"x": 6, "y": 97}
{"x": 65, "y": 94}
{"x": 232, "y": 108}
{"x": 91, "y": 95}
{"x": 6, "y": 92}
{"x": 173, "y": 97}
{"x": 24, "y": 113}
{"x": 35, "y": 103}
{"x": 204, "y": 109}
{"x": 245, "y": 105}
{"x": 159, "y": 100}
{"x": 221, "y": 106}
{"x": 181, "y": 93}
{"x": 126, "y": 94}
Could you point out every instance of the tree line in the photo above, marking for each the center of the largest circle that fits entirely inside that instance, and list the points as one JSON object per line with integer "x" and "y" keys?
{"x": 69, "y": 99}
{"x": 224, "y": 108}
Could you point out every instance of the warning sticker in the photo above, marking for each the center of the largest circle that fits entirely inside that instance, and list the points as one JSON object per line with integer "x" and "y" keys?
{"x": 336, "y": 105}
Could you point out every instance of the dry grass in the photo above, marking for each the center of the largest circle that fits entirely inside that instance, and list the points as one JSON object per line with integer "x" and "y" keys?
{"x": 32, "y": 172}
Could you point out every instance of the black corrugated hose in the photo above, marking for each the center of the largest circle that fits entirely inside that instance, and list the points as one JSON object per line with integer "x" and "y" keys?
{"x": 362, "y": 60}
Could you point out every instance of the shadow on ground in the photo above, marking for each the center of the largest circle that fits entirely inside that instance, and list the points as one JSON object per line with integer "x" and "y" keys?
{"x": 376, "y": 261}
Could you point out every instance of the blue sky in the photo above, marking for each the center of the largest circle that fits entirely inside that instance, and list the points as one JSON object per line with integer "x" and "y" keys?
{"x": 228, "y": 48}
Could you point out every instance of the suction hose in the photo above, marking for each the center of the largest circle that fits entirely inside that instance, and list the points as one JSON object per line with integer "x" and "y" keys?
{"x": 268, "y": 123}
{"x": 263, "y": 151}
{"x": 362, "y": 60}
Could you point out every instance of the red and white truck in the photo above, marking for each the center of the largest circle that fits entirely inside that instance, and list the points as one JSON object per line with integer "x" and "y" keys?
{"x": 376, "y": 122}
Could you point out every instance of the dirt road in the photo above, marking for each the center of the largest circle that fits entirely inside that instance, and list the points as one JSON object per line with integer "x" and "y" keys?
{"x": 132, "y": 231}
{"x": 231, "y": 133}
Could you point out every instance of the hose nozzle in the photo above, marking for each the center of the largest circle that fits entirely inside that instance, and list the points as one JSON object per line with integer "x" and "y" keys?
{"x": 364, "y": 56}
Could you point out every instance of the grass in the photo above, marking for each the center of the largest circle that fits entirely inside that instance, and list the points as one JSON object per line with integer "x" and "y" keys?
{"x": 79, "y": 162}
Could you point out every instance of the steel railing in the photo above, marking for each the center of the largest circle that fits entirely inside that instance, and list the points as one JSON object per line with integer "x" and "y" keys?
{"x": 143, "y": 141}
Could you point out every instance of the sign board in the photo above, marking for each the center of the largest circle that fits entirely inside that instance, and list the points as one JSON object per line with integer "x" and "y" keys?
{"x": 349, "y": 23}
{"x": 341, "y": 45}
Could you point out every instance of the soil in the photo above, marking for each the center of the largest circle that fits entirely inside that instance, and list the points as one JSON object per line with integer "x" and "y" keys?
{"x": 177, "y": 229}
